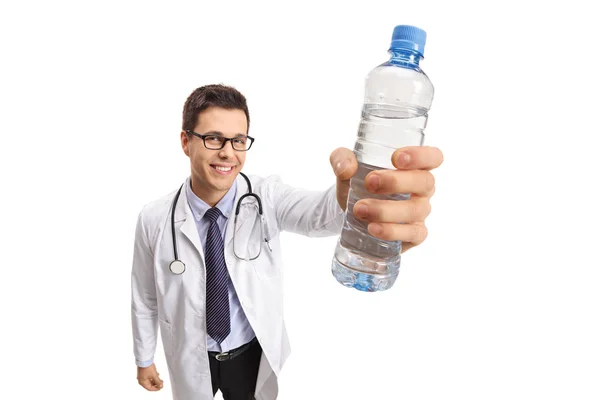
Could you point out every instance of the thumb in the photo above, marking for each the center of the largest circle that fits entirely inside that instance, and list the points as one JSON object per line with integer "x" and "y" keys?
{"x": 344, "y": 164}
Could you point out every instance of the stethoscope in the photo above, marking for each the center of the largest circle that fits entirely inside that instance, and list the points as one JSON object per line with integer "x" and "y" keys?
{"x": 178, "y": 267}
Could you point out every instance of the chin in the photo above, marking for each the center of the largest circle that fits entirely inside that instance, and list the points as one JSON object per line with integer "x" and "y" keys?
{"x": 223, "y": 185}
{"x": 223, "y": 182}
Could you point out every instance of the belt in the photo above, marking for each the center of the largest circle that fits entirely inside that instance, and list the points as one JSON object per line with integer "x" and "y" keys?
{"x": 231, "y": 354}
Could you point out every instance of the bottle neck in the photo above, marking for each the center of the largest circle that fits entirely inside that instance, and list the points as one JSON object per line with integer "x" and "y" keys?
{"x": 405, "y": 58}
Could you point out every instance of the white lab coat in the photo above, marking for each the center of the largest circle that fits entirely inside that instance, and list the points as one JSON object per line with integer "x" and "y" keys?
{"x": 176, "y": 303}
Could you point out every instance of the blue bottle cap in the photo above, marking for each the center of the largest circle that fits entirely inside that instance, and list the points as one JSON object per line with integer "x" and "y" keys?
{"x": 409, "y": 37}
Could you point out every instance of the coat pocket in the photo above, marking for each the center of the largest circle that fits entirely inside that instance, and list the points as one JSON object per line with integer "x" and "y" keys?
{"x": 166, "y": 333}
{"x": 268, "y": 264}
{"x": 249, "y": 244}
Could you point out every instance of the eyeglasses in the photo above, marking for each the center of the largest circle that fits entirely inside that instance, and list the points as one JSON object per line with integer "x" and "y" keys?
{"x": 217, "y": 142}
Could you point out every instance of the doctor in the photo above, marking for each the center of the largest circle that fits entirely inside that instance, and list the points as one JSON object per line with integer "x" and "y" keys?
{"x": 211, "y": 282}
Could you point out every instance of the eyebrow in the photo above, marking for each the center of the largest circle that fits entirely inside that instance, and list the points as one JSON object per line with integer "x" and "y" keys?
{"x": 221, "y": 134}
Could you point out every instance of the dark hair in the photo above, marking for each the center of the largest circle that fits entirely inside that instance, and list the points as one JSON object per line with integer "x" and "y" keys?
{"x": 216, "y": 95}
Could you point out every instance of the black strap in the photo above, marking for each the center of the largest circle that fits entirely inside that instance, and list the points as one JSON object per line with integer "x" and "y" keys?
{"x": 235, "y": 352}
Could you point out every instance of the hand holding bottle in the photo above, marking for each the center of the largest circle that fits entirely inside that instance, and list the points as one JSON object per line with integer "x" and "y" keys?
{"x": 387, "y": 219}
{"x": 397, "y": 99}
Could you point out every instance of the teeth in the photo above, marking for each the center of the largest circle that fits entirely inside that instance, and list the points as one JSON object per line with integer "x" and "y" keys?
{"x": 224, "y": 169}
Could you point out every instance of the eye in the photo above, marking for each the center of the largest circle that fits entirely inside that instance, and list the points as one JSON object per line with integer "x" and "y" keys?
{"x": 214, "y": 139}
{"x": 240, "y": 140}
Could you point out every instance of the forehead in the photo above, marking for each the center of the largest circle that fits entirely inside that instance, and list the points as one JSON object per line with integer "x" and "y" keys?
{"x": 228, "y": 122}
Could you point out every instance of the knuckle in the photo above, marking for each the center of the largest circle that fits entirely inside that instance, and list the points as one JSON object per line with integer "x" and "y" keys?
{"x": 376, "y": 210}
{"x": 398, "y": 180}
{"x": 386, "y": 232}
{"x": 414, "y": 211}
{"x": 429, "y": 181}
{"x": 420, "y": 233}
{"x": 425, "y": 209}
{"x": 432, "y": 192}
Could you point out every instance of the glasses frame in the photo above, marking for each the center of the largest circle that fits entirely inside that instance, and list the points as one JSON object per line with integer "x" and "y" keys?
{"x": 225, "y": 140}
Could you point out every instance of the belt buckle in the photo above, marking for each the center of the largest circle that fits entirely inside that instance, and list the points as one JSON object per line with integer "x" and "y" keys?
{"x": 222, "y": 356}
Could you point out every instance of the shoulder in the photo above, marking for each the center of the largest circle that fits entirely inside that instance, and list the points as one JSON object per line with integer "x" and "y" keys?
{"x": 264, "y": 182}
{"x": 266, "y": 185}
{"x": 153, "y": 214}
{"x": 158, "y": 206}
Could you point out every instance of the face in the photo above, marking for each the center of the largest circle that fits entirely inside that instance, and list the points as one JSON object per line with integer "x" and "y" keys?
{"x": 214, "y": 171}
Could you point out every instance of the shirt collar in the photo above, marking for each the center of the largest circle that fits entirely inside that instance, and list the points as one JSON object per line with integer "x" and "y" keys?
{"x": 199, "y": 206}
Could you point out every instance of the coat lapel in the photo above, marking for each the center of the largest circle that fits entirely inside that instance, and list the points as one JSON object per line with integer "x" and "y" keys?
{"x": 188, "y": 228}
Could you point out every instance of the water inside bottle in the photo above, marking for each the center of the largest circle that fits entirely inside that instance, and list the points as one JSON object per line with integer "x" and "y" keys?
{"x": 361, "y": 260}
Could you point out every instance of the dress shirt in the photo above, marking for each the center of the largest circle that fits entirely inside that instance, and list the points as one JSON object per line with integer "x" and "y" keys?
{"x": 241, "y": 331}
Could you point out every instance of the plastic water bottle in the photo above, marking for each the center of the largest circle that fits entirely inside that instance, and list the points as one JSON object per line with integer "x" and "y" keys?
{"x": 397, "y": 99}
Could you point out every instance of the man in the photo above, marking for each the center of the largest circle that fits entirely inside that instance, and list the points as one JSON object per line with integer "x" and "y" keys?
{"x": 219, "y": 306}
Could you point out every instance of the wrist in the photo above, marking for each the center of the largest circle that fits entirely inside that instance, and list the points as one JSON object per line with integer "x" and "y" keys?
{"x": 144, "y": 364}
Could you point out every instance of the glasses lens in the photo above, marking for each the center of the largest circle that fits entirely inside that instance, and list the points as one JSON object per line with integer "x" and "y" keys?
{"x": 213, "y": 142}
{"x": 241, "y": 143}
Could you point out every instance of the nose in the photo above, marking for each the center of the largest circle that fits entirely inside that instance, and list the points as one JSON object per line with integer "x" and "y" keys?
{"x": 227, "y": 151}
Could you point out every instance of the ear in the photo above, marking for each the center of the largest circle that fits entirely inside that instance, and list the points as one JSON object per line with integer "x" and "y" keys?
{"x": 185, "y": 141}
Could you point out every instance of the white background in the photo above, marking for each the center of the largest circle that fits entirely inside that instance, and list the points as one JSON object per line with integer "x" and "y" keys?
{"x": 502, "y": 301}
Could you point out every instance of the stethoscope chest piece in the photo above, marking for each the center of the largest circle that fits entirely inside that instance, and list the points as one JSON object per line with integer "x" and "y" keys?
{"x": 177, "y": 267}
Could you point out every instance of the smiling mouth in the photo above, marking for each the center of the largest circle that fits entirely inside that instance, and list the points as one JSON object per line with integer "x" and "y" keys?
{"x": 222, "y": 169}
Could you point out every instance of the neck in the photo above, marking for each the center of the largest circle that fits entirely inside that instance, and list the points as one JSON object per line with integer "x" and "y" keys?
{"x": 210, "y": 197}
{"x": 405, "y": 58}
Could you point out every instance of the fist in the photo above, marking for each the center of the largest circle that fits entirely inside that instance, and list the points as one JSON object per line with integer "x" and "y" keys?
{"x": 149, "y": 379}
{"x": 389, "y": 219}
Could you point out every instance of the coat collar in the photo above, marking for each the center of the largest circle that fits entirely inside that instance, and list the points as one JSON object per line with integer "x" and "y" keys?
{"x": 184, "y": 213}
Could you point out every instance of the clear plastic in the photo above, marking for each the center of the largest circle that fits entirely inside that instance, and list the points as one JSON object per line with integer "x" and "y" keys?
{"x": 398, "y": 96}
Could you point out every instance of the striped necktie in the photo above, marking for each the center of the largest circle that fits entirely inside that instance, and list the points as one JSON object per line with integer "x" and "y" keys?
{"x": 218, "y": 322}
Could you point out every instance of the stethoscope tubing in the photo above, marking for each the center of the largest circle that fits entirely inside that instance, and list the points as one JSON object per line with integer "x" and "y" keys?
{"x": 177, "y": 266}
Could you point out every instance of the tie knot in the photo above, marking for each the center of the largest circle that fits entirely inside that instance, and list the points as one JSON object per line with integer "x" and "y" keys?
{"x": 213, "y": 214}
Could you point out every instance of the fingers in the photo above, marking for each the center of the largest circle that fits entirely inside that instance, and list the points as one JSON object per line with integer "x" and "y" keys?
{"x": 158, "y": 383}
{"x": 417, "y": 157}
{"x": 150, "y": 380}
{"x": 418, "y": 182}
{"x": 395, "y": 220}
{"x": 393, "y": 211}
{"x": 344, "y": 164}
{"x": 148, "y": 384}
{"x": 411, "y": 235}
